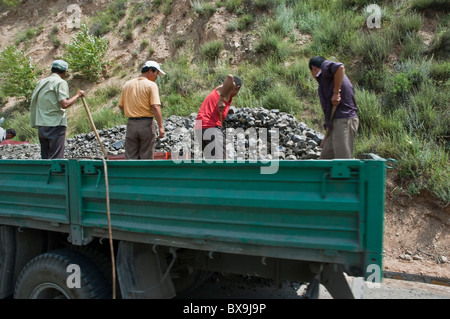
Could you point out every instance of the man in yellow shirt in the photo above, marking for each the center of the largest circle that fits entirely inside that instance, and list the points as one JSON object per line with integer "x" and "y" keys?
{"x": 140, "y": 102}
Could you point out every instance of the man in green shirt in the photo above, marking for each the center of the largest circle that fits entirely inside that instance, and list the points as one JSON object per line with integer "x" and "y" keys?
{"x": 49, "y": 102}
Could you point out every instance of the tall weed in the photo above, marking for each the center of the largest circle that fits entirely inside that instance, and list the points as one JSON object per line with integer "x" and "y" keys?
{"x": 373, "y": 48}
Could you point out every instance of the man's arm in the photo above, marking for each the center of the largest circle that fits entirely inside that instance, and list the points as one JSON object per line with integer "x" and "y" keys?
{"x": 156, "y": 108}
{"x": 121, "y": 102}
{"x": 227, "y": 86}
{"x": 338, "y": 78}
{"x": 66, "y": 103}
{"x": 225, "y": 91}
{"x": 335, "y": 99}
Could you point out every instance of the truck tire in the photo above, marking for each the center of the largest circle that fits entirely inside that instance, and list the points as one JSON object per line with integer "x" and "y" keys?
{"x": 189, "y": 283}
{"x": 46, "y": 277}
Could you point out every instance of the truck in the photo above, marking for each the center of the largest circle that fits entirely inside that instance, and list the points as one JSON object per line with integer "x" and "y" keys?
{"x": 141, "y": 229}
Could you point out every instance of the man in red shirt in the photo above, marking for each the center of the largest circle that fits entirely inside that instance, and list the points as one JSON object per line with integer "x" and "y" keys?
{"x": 214, "y": 109}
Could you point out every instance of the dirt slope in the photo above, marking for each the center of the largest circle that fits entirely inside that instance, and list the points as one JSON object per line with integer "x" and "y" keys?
{"x": 411, "y": 223}
{"x": 417, "y": 227}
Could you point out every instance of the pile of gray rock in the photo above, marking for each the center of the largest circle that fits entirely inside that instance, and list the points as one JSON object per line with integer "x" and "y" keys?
{"x": 253, "y": 133}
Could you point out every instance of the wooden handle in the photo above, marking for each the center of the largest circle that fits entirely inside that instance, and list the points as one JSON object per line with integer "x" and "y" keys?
{"x": 105, "y": 154}
{"x": 327, "y": 133}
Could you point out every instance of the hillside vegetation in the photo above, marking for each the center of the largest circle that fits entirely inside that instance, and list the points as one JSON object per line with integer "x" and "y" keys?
{"x": 400, "y": 68}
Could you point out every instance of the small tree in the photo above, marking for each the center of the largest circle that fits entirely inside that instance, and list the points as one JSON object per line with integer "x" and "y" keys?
{"x": 9, "y": 3}
{"x": 86, "y": 54}
{"x": 18, "y": 75}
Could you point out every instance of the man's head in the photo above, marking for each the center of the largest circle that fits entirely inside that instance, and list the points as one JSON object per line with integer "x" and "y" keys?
{"x": 151, "y": 70}
{"x": 60, "y": 67}
{"x": 10, "y": 133}
{"x": 237, "y": 85}
{"x": 315, "y": 63}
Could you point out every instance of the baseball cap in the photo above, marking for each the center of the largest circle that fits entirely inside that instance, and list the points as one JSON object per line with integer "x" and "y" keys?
{"x": 61, "y": 65}
{"x": 155, "y": 65}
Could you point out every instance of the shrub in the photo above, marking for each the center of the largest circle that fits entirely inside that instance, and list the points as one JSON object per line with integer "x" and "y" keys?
{"x": 350, "y": 4}
{"x": 86, "y": 54}
{"x": 166, "y": 7}
{"x": 406, "y": 23}
{"x": 441, "y": 44}
{"x": 440, "y": 72}
{"x": 210, "y": 51}
{"x": 335, "y": 33}
{"x": 244, "y": 21}
{"x": 369, "y": 112}
{"x": 115, "y": 11}
{"x": 232, "y": 26}
{"x": 263, "y": 4}
{"x": 232, "y": 5}
{"x": 428, "y": 114}
{"x": 9, "y": 3}
{"x": 203, "y": 9}
{"x": 438, "y": 5}
{"x": 283, "y": 98}
{"x": 370, "y": 78}
{"x": 271, "y": 45}
{"x": 309, "y": 21}
{"x": 411, "y": 46}
{"x": 54, "y": 37}
{"x": 19, "y": 75}
{"x": 285, "y": 17}
{"x": 373, "y": 48}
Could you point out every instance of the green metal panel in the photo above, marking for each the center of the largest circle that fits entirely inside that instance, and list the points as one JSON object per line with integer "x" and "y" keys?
{"x": 317, "y": 205}
{"x": 374, "y": 221}
{"x": 35, "y": 190}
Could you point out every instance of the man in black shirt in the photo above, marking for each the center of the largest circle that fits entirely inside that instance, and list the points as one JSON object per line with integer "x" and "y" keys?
{"x": 336, "y": 95}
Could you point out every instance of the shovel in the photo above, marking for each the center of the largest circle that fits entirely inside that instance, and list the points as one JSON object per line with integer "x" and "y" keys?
{"x": 327, "y": 133}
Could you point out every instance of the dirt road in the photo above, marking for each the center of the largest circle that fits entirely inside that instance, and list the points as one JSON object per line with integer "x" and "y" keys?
{"x": 242, "y": 287}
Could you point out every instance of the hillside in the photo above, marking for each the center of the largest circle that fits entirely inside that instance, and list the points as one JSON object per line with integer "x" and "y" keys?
{"x": 174, "y": 33}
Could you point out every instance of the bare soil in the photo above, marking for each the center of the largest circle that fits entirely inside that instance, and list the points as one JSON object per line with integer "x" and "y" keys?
{"x": 417, "y": 227}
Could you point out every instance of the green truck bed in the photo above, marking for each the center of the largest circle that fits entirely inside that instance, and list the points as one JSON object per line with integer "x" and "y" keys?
{"x": 320, "y": 211}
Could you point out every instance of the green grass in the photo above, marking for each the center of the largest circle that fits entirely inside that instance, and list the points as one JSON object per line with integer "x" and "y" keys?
{"x": 103, "y": 106}
{"x": 105, "y": 21}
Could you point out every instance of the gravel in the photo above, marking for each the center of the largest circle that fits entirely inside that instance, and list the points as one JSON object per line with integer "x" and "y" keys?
{"x": 287, "y": 138}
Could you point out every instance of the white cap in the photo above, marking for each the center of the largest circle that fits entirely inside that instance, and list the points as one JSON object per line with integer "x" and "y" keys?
{"x": 155, "y": 65}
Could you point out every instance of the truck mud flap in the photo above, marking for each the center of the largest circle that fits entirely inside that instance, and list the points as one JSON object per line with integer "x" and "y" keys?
{"x": 7, "y": 259}
{"x": 143, "y": 273}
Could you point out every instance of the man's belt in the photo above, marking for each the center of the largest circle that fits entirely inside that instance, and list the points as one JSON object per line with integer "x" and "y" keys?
{"x": 140, "y": 118}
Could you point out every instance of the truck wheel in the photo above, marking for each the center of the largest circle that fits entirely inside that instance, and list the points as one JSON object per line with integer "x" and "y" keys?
{"x": 46, "y": 277}
{"x": 102, "y": 261}
{"x": 190, "y": 282}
